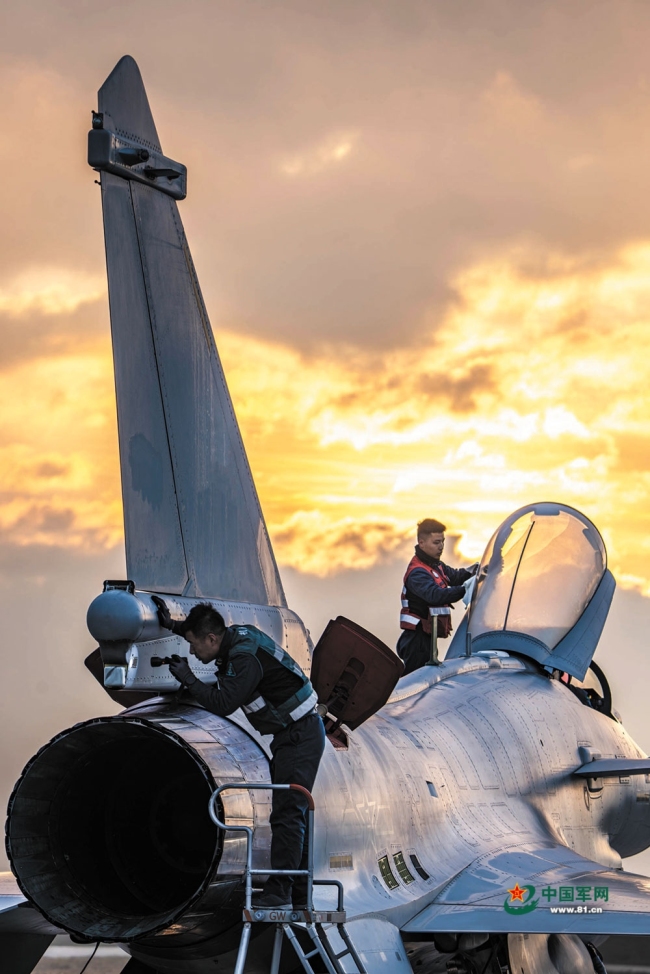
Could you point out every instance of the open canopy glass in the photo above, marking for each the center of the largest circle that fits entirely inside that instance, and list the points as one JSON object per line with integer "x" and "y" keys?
{"x": 538, "y": 573}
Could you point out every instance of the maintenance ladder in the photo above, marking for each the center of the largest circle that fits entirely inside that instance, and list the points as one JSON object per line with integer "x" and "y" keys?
{"x": 289, "y": 923}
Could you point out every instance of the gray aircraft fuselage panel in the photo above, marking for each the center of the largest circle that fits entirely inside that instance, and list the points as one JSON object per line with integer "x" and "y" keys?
{"x": 418, "y": 816}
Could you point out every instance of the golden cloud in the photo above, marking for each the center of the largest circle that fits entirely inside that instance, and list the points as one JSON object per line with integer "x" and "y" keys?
{"x": 59, "y": 482}
{"x": 313, "y": 542}
{"x": 534, "y": 385}
{"x": 50, "y": 291}
{"x": 313, "y": 160}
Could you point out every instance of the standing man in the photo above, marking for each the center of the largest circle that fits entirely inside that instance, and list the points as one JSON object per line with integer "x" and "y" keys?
{"x": 277, "y": 698}
{"x": 428, "y": 583}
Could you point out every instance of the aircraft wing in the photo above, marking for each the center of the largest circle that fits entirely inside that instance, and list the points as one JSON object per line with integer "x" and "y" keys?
{"x": 478, "y": 899}
{"x": 17, "y": 915}
{"x": 10, "y": 894}
{"x": 25, "y": 935}
{"x": 613, "y": 768}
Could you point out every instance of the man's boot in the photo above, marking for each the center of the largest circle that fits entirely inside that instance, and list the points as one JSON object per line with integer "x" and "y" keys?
{"x": 276, "y": 895}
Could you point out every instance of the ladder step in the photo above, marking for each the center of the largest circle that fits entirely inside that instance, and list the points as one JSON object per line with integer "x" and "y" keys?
{"x": 349, "y": 951}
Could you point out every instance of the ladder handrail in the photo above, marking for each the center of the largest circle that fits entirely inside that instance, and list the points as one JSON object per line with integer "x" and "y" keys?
{"x": 339, "y": 890}
{"x": 250, "y": 872}
{"x": 313, "y": 923}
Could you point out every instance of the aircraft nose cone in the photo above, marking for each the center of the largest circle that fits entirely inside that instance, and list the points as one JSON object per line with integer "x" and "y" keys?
{"x": 115, "y": 615}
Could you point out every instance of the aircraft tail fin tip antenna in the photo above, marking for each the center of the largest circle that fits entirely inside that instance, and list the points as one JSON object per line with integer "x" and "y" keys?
{"x": 123, "y": 98}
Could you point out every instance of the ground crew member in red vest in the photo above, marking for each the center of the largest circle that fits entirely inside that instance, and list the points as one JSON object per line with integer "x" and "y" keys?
{"x": 428, "y": 582}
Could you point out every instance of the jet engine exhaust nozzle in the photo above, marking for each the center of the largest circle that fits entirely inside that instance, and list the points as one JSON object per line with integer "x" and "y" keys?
{"x": 108, "y": 831}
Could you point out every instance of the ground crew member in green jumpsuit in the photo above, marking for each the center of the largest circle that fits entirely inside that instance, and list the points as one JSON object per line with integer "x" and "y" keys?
{"x": 277, "y": 698}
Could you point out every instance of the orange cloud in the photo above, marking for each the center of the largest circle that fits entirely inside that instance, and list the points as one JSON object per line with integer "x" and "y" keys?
{"x": 533, "y": 385}
{"x": 327, "y": 154}
{"x": 314, "y": 542}
{"x": 50, "y": 291}
{"x": 59, "y": 483}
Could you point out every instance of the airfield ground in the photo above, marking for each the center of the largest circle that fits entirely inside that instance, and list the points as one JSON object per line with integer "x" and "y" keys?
{"x": 60, "y": 965}
{"x": 624, "y": 956}
{"x": 65, "y": 958}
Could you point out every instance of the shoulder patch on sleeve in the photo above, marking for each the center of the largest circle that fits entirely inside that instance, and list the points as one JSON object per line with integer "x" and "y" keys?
{"x": 242, "y": 631}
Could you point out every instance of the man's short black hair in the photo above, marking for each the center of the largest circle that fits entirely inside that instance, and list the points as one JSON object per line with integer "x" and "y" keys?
{"x": 203, "y": 619}
{"x": 430, "y": 526}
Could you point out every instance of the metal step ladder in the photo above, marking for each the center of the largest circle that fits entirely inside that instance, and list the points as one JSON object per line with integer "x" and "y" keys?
{"x": 289, "y": 923}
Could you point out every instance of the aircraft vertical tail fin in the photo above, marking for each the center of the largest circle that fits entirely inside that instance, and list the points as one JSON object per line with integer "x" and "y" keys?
{"x": 193, "y": 522}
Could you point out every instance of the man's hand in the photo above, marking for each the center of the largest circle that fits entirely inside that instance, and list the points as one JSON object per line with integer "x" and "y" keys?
{"x": 474, "y": 568}
{"x": 180, "y": 670}
{"x": 164, "y": 617}
{"x": 469, "y": 588}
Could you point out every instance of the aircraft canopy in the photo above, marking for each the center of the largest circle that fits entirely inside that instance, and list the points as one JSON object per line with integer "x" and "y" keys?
{"x": 539, "y": 572}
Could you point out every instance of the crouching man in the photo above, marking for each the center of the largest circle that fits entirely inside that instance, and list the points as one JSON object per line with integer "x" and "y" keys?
{"x": 277, "y": 698}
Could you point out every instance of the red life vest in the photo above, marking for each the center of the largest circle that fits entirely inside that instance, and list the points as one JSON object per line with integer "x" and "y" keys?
{"x": 411, "y": 615}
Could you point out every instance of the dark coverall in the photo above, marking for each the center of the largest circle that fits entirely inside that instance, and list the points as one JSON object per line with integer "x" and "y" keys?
{"x": 414, "y": 645}
{"x": 296, "y": 749}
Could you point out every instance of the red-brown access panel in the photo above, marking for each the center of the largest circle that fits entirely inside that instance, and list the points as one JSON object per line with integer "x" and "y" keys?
{"x": 353, "y": 672}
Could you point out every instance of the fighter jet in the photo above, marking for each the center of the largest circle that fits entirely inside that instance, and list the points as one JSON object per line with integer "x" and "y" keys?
{"x": 475, "y": 811}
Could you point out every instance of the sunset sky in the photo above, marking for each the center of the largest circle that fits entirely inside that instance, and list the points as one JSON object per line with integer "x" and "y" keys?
{"x": 422, "y": 229}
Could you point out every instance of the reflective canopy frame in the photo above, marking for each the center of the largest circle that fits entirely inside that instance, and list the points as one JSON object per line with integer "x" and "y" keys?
{"x": 543, "y": 589}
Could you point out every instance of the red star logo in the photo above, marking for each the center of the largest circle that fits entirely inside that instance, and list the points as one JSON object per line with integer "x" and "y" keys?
{"x": 517, "y": 893}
